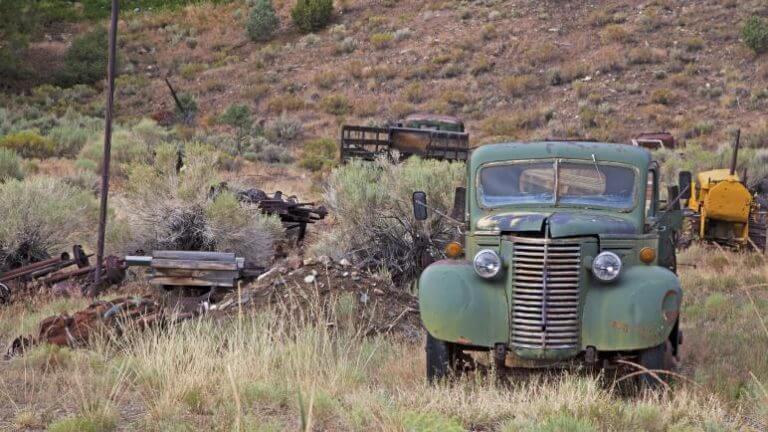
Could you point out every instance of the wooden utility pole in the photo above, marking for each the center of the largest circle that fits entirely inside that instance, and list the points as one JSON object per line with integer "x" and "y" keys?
{"x": 107, "y": 144}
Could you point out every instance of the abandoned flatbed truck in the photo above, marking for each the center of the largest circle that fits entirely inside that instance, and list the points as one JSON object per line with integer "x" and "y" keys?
{"x": 569, "y": 258}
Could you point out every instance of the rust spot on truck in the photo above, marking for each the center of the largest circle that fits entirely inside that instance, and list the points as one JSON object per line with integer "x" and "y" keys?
{"x": 620, "y": 325}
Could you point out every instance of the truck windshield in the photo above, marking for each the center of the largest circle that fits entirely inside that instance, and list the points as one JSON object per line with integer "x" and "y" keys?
{"x": 558, "y": 182}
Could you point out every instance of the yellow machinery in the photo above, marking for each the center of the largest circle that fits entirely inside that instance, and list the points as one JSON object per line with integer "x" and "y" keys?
{"x": 721, "y": 207}
{"x": 722, "y": 204}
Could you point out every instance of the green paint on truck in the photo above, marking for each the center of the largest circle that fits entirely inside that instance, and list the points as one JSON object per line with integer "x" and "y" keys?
{"x": 577, "y": 260}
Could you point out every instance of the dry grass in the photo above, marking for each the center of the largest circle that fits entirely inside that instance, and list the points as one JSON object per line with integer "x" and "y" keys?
{"x": 264, "y": 372}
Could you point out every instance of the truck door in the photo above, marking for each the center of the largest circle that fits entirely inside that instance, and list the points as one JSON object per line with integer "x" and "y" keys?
{"x": 663, "y": 219}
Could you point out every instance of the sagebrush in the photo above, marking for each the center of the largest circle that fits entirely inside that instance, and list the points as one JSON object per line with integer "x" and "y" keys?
{"x": 41, "y": 217}
{"x": 10, "y": 166}
{"x": 263, "y": 21}
{"x": 371, "y": 203}
{"x": 166, "y": 209}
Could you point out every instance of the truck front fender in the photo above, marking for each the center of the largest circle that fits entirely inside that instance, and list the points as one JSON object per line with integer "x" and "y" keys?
{"x": 456, "y": 305}
{"x": 636, "y": 311}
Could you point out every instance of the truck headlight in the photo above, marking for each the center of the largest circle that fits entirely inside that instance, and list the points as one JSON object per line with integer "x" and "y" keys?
{"x": 606, "y": 266}
{"x": 487, "y": 263}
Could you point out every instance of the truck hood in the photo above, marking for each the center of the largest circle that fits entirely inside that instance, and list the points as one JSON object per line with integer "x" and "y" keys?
{"x": 561, "y": 223}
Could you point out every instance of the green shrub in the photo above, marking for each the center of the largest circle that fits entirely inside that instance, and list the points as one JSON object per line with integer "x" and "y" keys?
{"x": 29, "y": 144}
{"x": 86, "y": 60}
{"x": 93, "y": 419}
{"x": 381, "y": 40}
{"x": 263, "y": 21}
{"x": 312, "y": 15}
{"x": 335, "y": 104}
{"x": 188, "y": 108}
{"x": 318, "y": 154}
{"x": 755, "y": 34}
{"x": 374, "y": 218}
{"x": 663, "y": 96}
{"x": 41, "y": 217}
{"x": 237, "y": 116}
{"x": 10, "y": 166}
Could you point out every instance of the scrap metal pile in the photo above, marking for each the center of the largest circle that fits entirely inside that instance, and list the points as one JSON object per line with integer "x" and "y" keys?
{"x": 294, "y": 214}
{"x": 109, "y": 318}
{"x": 300, "y": 289}
{"x": 65, "y": 275}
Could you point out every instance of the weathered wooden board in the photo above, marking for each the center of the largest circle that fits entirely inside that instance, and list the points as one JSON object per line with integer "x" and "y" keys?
{"x": 159, "y": 263}
{"x": 194, "y": 255}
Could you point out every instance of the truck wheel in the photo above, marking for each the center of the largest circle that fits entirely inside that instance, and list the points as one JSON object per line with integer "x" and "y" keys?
{"x": 441, "y": 357}
{"x": 660, "y": 358}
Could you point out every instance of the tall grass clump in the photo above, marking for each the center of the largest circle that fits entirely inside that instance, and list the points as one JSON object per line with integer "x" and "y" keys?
{"x": 41, "y": 217}
{"x": 312, "y": 15}
{"x": 10, "y": 166}
{"x": 372, "y": 206}
{"x": 263, "y": 21}
{"x": 169, "y": 210}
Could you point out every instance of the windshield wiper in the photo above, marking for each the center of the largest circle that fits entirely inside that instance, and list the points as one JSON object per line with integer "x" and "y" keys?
{"x": 597, "y": 168}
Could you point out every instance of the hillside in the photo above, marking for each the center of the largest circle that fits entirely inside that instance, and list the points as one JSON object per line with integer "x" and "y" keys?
{"x": 512, "y": 69}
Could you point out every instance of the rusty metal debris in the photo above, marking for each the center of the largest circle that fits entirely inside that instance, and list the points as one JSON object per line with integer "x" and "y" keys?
{"x": 110, "y": 318}
{"x": 430, "y": 136}
{"x": 51, "y": 272}
{"x": 294, "y": 214}
{"x": 655, "y": 140}
{"x": 293, "y": 287}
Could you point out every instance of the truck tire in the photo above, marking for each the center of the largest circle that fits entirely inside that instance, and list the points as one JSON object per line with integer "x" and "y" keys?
{"x": 441, "y": 359}
{"x": 659, "y": 358}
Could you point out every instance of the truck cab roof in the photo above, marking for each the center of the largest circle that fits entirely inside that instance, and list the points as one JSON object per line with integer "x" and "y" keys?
{"x": 621, "y": 153}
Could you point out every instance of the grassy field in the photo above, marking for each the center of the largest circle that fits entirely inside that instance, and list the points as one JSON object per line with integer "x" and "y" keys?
{"x": 262, "y": 372}
{"x": 266, "y": 114}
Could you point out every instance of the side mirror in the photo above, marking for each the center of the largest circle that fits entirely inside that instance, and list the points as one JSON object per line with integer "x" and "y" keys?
{"x": 684, "y": 180}
{"x": 459, "y": 202}
{"x": 420, "y": 205}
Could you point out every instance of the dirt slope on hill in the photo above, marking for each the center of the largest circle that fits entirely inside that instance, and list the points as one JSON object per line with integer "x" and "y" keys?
{"x": 514, "y": 69}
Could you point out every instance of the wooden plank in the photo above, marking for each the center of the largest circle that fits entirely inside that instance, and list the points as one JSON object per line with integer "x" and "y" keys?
{"x": 200, "y": 274}
{"x": 194, "y": 255}
{"x": 193, "y": 265}
{"x": 190, "y": 282}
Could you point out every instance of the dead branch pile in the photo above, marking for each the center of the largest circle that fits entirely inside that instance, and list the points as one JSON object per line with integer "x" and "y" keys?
{"x": 324, "y": 290}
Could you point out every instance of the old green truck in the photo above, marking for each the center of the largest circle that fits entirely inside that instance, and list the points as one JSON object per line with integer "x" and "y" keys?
{"x": 567, "y": 257}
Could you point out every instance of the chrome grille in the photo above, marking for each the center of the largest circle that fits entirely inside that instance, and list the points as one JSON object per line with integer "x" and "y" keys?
{"x": 545, "y": 299}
